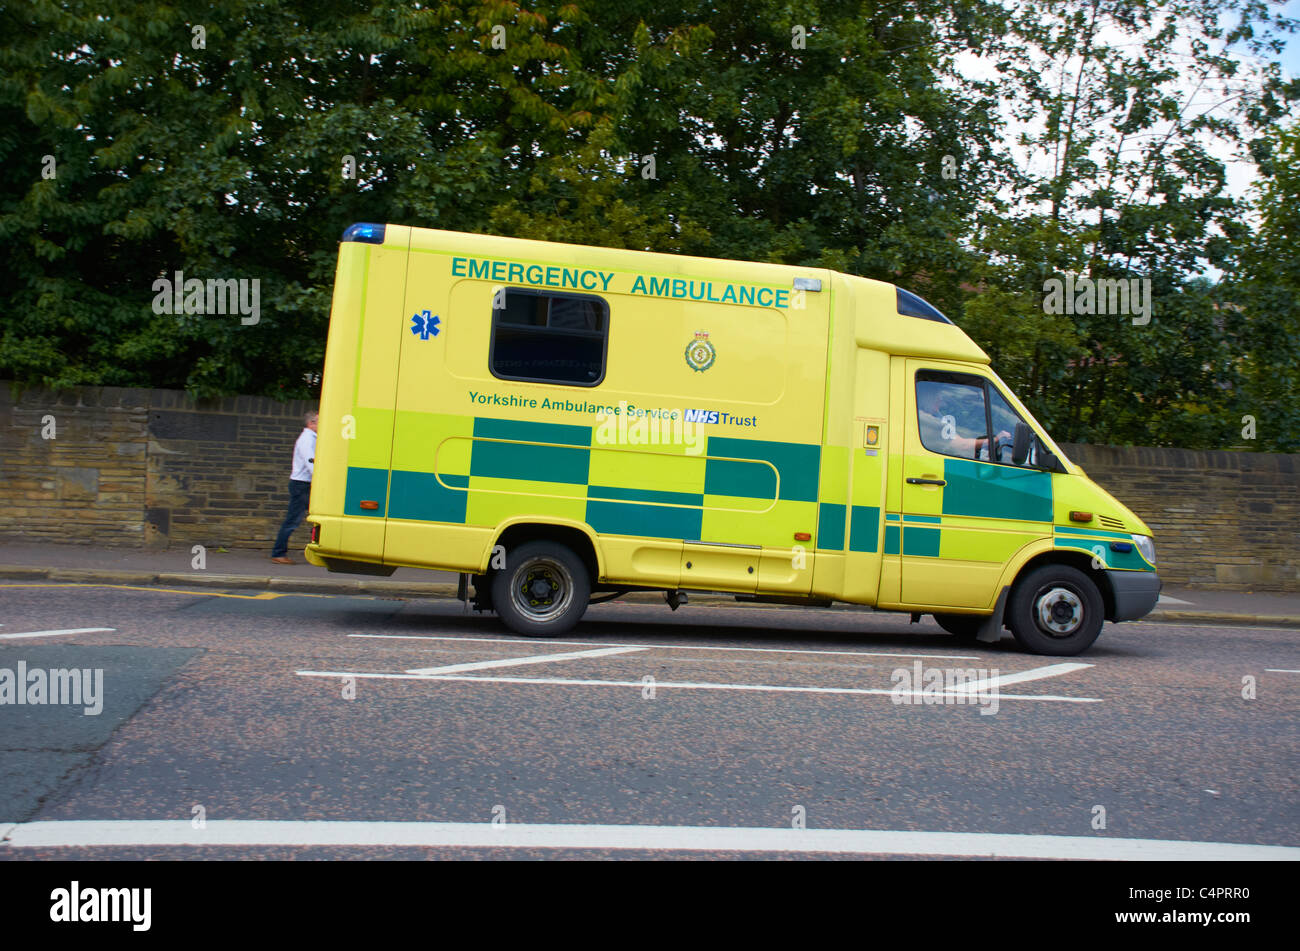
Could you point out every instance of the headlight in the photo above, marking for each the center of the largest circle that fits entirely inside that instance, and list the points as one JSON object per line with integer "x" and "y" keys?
{"x": 1146, "y": 547}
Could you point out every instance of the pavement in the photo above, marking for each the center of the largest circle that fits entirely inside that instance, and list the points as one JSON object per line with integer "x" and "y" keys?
{"x": 244, "y": 568}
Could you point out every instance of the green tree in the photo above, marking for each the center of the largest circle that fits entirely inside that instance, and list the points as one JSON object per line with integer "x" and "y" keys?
{"x": 1270, "y": 300}
{"x": 1127, "y": 113}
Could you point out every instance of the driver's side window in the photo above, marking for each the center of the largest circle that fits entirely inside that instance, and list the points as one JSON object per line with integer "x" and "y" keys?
{"x": 1004, "y": 421}
{"x": 963, "y": 415}
{"x": 950, "y": 413}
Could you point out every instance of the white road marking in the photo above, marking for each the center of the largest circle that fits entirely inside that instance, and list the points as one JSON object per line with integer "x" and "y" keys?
{"x": 1266, "y": 624}
{"x": 1279, "y": 670}
{"x": 1038, "y": 673}
{"x": 670, "y": 647}
{"x": 520, "y": 661}
{"x": 667, "y": 684}
{"x": 71, "y": 630}
{"x": 1166, "y": 599}
{"x": 238, "y": 832}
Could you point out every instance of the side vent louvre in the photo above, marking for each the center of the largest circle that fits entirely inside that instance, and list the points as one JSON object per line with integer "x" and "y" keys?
{"x": 1111, "y": 523}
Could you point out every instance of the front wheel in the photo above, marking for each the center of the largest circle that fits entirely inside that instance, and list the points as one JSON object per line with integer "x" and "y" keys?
{"x": 542, "y": 591}
{"x": 1055, "y": 610}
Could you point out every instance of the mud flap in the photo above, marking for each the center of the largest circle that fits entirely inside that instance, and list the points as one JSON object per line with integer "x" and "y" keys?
{"x": 991, "y": 630}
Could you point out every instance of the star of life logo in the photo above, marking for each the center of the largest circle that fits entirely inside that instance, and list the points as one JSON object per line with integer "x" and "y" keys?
{"x": 425, "y": 325}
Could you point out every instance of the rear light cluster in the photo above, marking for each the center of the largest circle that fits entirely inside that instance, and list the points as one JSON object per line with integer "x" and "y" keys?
{"x": 315, "y": 533}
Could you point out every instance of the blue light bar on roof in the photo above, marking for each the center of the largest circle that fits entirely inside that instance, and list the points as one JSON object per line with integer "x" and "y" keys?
{"x": 370, "y": 234}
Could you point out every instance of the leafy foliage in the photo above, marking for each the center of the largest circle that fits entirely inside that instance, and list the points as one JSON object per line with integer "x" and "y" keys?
{"x": 968, "y": 150}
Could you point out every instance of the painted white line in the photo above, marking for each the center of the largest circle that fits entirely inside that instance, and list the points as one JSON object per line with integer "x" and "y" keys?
{"x": 1038, "y": 673}
{"x": 1279, "y": 670}
{"x": 667, "y": 647}
{"x": 520, "y": 661}
{"x": 1264, "y": 625}
{"x": 237, "y": 832}
{"x": 1166, "y": 599}
{"x": 667, "y": 684}
{"x": 71, "y": 630}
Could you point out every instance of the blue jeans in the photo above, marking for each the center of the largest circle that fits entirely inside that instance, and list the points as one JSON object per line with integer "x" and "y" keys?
{"x": 299, "y": 495}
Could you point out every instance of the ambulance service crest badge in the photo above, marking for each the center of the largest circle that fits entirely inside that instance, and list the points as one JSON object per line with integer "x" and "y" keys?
{"x": 699, "y": 352}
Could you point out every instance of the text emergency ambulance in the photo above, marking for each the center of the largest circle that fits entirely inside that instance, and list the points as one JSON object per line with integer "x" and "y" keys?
{"x": 555, "y": 421}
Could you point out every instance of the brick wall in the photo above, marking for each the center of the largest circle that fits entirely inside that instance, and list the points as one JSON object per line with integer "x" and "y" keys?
{"x": 86, "y": 480}
{"x": 153, "y": 468}
{"x": 1226, "y": 520}
{"x": 145, "y": 468}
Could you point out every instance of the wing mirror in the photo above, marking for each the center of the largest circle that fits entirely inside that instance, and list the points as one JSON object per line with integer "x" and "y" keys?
{"x": 1025, "y": 442}
{"x": 1020, "y": 446}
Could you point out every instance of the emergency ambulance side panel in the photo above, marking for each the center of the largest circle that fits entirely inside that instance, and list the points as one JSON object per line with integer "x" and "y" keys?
{"x": 716, "y": 504}
{"x": 350, "y": 484}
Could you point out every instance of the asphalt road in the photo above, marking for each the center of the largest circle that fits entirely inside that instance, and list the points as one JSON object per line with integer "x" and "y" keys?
{"x": 223, "y": 710}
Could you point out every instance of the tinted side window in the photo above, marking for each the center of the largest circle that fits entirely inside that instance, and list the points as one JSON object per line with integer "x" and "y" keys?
{"x": 1004, "y": 427}
{"x": 549, "y": 338}
{"x": 950, "y": 413}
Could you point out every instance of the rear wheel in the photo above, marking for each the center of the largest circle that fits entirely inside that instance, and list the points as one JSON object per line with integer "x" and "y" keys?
{"x": 542, "y": 591}
{"x": 964, "y": 626}
{"x": 1056, "y": 610}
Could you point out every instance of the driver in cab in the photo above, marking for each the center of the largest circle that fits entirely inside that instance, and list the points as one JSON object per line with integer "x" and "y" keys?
{"x": 943, "y": 410}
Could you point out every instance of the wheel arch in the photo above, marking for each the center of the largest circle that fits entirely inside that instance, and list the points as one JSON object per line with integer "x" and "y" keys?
{"x": 576, "y": 535}
{"x": 1042, "y": 554}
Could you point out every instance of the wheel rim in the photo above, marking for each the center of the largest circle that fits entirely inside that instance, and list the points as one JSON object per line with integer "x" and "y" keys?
{"x": 542, "y": 589}
{"x": 1058, "y": 611}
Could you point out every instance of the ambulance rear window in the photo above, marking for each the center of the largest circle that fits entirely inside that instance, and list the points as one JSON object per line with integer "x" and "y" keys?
{"x": 538, "y": 337}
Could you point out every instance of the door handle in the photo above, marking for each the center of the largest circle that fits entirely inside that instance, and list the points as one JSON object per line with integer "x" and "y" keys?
{"x": 926, "y": 482}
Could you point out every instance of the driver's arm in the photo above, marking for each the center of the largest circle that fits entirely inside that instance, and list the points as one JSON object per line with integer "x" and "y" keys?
{"x": 982, "y": 441}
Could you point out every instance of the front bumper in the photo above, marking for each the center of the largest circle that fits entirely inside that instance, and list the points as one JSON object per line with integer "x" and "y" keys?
{"x": 1135, "y": 593}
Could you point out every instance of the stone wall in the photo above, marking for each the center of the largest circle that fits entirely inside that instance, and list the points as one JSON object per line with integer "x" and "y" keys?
{"x": 1226, "y": 520}
{"x": 153, "y": 469}
{"x": 145, "y": 468}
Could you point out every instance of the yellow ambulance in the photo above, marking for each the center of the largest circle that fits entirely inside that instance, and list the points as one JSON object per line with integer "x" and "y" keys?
{"x": 559, "y": 423}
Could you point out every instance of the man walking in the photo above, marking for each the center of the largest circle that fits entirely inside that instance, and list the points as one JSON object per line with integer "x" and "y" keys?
{"x": 304, "y": 460}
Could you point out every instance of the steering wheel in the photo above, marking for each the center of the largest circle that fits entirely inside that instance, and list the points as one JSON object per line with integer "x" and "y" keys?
{"x": 998, "y": 444}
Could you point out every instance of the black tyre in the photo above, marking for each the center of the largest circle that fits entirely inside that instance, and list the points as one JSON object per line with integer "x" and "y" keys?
{"x": 542, "y": 591}
{"x": 1056, "y": 610}
{"x": 964, "y": 626}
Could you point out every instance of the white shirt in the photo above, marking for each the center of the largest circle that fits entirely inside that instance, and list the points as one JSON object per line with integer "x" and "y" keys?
{"x": 304, "y": 456}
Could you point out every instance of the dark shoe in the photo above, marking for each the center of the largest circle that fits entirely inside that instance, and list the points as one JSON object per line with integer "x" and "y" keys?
{"x": 283, "y": 561}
